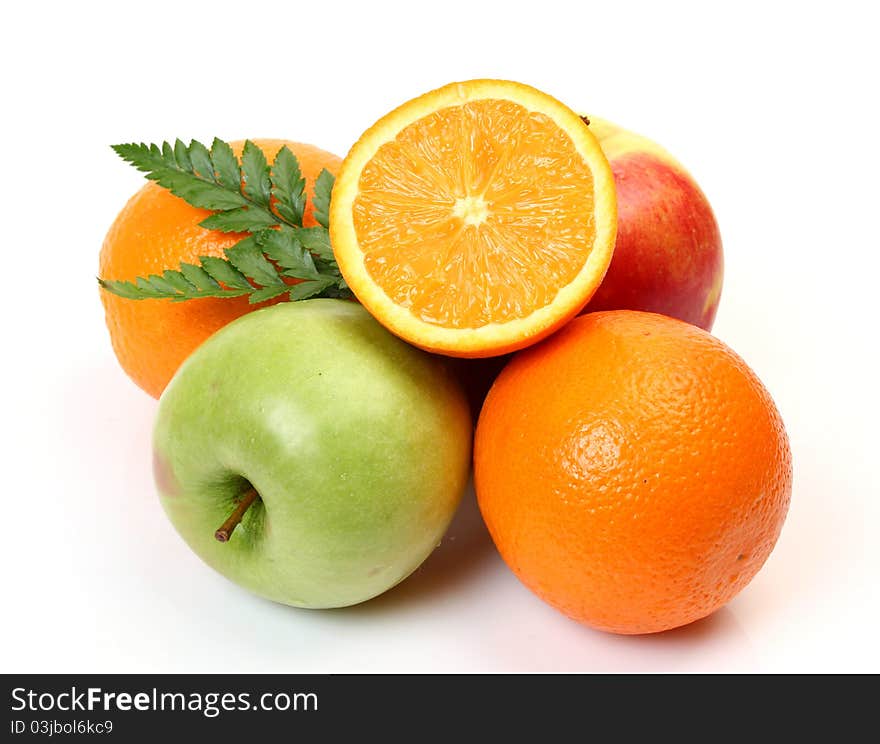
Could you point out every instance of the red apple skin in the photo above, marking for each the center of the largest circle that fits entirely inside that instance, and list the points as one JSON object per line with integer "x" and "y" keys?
{"x": 668, "y": 257}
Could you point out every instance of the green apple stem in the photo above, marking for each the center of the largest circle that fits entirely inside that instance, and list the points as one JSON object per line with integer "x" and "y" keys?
{"x": 225, "y": 531}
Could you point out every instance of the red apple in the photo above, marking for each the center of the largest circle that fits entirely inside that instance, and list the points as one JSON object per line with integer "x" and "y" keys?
{"x": 668, "y": 256}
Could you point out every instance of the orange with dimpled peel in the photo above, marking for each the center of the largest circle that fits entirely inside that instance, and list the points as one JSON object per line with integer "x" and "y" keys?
{"x": 632, "y": 470}
{"x": 476, "y": 219}
{"x": 157, "y": 230}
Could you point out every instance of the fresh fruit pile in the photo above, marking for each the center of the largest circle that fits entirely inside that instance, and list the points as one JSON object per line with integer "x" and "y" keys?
{"x": 631, "y": 469}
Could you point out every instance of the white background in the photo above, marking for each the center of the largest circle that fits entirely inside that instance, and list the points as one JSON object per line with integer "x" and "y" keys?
{"x": 772, "y": 106}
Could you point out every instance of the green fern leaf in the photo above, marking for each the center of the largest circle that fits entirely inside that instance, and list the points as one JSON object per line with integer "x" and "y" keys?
{"x": 321, "y": 199}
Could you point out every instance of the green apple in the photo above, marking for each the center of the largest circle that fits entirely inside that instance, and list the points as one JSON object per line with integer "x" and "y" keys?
{"x": 330, "y": 454}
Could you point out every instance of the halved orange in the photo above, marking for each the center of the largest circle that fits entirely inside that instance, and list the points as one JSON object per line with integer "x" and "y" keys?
{"x": 476, "y": 219}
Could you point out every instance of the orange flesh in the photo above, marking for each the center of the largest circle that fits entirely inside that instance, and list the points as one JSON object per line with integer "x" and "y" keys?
{"x": 475, "y": 214}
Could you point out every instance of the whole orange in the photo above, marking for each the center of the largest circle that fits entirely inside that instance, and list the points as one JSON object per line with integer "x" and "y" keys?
{"x": 632, "y": 470}
{"x": 156, "y": 231}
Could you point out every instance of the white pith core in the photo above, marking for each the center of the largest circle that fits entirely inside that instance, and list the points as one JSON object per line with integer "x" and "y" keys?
{"x": 473, "y": 210}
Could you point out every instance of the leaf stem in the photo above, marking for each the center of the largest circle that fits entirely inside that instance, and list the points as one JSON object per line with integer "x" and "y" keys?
{"x": 225, "y": 532}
